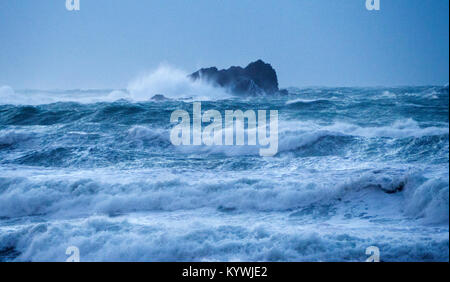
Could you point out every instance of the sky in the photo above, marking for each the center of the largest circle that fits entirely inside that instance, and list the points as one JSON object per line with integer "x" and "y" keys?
{"x": 309, "y": 42}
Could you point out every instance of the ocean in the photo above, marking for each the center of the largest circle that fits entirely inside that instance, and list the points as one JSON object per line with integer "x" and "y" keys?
{"x": 95, "y": 169}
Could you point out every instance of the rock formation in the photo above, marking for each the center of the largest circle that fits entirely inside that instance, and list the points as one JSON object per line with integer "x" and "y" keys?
{"x": 258, "y": 78}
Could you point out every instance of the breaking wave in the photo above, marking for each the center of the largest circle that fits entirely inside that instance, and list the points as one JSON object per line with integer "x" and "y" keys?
{"x": 171, "y": 82}
{"x": 174, "y": 84}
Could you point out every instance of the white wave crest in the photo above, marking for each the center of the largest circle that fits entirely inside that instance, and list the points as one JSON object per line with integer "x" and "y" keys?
{"x": 296, "y": 134}
{"x": 306, "y": 101}
{"x": 177, "y": 238}
{"x": 403, "y": 128}
{"x": 173, "y": 83}
{"x": 428, "y": 200}
{"x": 11, "y": 137}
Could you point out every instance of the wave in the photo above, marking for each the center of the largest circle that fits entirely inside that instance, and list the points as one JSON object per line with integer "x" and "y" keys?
{"x": 306, "y": 101}
{"x": 403, "y": 128}
{"x": 112, "y": 142}
{"x": 295, "y": 135}
{"x": 299, "y": 133}
{"x": 429, "y": 199}
{"x": 12, "y": 137}
{"x": 116, "y": 215}
{"x": 62, "y": 194}
{"x": 157, "y": 137}
{"x": 174, "y": 84}
{"x": 102, "y": 238}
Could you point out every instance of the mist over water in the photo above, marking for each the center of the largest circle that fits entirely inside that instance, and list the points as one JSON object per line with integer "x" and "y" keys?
{"x": 356, "y": 167}
{"x": 167, "y": 80}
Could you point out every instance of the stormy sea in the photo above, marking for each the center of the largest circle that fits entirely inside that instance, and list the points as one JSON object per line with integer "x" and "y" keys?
{"x": 95, "y": 169}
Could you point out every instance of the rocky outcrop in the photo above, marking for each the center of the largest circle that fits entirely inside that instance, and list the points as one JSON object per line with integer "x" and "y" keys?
{"x": 258, "y": 78}
{"x": 159, "y": 97}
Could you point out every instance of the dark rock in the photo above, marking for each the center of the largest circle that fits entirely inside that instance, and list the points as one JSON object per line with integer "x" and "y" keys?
{"x": 256, "y": 79}
{"x": 159, "y": 97}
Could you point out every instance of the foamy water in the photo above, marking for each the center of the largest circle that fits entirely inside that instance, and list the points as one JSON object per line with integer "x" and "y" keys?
{"x": 356, "y": 167}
